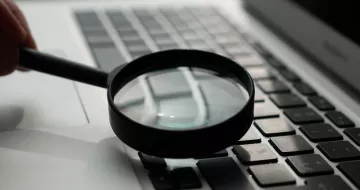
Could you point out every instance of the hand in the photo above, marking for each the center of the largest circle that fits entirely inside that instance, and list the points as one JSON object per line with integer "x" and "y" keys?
{"x": 14, "y": 33}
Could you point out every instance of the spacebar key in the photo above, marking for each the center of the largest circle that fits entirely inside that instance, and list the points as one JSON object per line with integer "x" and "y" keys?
{"x": 223, "y": 174}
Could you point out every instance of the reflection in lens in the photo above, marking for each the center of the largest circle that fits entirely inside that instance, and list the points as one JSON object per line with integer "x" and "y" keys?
{"x": 181, "y": 98}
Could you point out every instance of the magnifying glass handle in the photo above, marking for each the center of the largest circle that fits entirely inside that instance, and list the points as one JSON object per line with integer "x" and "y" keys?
{"x": 49, "y": 64}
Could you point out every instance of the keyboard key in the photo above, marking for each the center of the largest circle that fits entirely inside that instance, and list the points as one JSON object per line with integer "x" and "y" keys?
{"x": 108, "y": 57}
{"x": 254, "y": 154}
{"x": 133, "y": 42}
{"x": 136, "y": 54}
{"x": 95, "y": 39}
{"x": 353, "y": 134}
{"x": 320, "y": 132}
{"x": 248, "y": 60}
{"x": 321, "y": 103}
{"x": 250, "y": 137}
{"x": 186, "y": 178}
{"x": 161, "y": 180}
{"x": 309, "y": 165}
{"x": 151, "y": 162}
{"x": 352, "y": 171}
{"x": 88, "y": 19}
{"x": 138, "y": 48}
{"x": 163, "y": 40}
{"x": 274, "y": 127}
{"x": 237, "y": 49}
{"x": 265, "y": 110}
{"x": 271, "y": 175}
{"x": 330, "y": 182}
{"x": 168, "y": 46}
{"x": 291, "y": 145}
{"x": 339, "y": 119}
{"x": 223, "y": 174}
{"x": 289, "y": 75}
{"x": 228, "y": 40}
{"x": 339, "y": 151}
{"x": 259, "y": 95}
{"x": 304, "y": 89}
{"x": 260, "y": 73}
{"x": 272, "y": 86}
{"x": 303, "y": 115}
{"x": 287, "y": 100}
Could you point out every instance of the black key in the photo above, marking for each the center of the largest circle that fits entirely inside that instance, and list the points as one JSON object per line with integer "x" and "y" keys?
{"x": 304, "y": 89}
{"x": 320, "y": 132}
{"x": 287, "y": 100}
{"x": 353, "y": 134}
{"x": 186, "y": 178}
{"x": 272, "y": 86}
{"x": 152, "y": 162}
{"x": 222, "y": 153}
{"x": 108, "y": 57}
{"x": 161, "y": 180}
{"x": 303, "y": 115}
{"x": 223, "y": 174}
{"x": 291, "y": 145}
{"x": 339, "y": 151}
{"x": 275, "y": 62}
{"x": 271, "y": 175}
{"x": 254, "y": 154}
{"x": 339, "y": 119}
{"x": 265, "y": 110}
{"x": 274, "y": 127}
{"x": 260, "y": 73}
{"x": 330, "y": 182}
{"x": 321, "y": 103}
{"x": 289, "y": 75}
{"x": 309, "y": 165}
{"x": 352, "y": 171}
{"x": 250, "y": 137}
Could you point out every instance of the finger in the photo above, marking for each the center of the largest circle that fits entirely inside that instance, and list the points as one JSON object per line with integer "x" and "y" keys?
{"x": 18, "y": 14}
{"x": 8, "y": 56}
{"x": 10, "y": 27}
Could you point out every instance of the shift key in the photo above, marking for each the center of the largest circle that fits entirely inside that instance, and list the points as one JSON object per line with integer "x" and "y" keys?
{"x": 223, "y": 174}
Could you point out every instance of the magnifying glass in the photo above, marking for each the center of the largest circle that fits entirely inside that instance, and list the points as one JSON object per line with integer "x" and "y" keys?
{"x": 212, "y": 114}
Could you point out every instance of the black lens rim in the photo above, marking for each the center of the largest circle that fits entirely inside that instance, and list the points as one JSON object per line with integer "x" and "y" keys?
{"x": 190, "y": 143}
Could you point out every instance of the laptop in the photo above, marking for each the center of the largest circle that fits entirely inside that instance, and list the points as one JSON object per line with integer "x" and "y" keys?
{"x": 55, "y": 133}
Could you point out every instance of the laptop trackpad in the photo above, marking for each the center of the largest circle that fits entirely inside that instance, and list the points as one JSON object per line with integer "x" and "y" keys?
{"x": 36, "y": 100}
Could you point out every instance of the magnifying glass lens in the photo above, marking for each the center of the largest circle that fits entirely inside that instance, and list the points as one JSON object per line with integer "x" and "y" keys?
{"x": 182, "y": 98}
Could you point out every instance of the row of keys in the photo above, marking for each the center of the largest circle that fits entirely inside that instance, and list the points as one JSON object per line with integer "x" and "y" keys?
{"x": 131, "y": 38}
{"x": 331, "y": 142}
{"x": 223, "y": 173}
{"x": 102, "y": 47}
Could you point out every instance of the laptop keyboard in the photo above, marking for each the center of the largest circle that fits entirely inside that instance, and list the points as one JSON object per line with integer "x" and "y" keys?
{"x": 318, "y": 144}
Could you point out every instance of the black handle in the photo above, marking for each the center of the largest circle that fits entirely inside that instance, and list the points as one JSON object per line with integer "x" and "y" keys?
{"x": 49, "y": 64}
